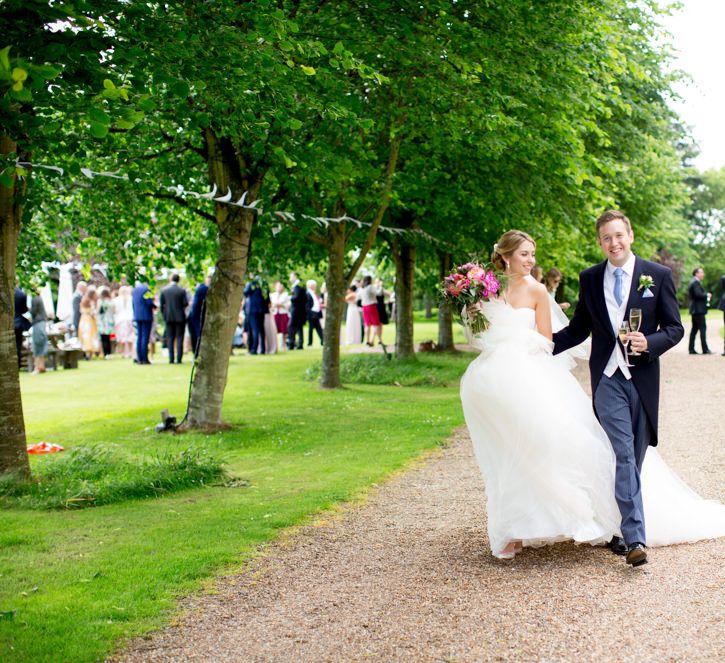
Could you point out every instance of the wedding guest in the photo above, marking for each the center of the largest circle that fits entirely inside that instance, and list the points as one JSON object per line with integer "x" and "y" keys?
{"x": 380, "y": 300}
{"x": 88, "y": 323}
{"x": 371, "y": 318}
{"x": 154, "y": 336}
{"x": 270, "y": 329}
{"x": 537, "y": 271}
{"x": 174, "y": 301}
{"x": 298, "y": 313}
{"x": 81, "y": 288}
{"x": 143, "y": 315}
{"x": 20, "y": 323}
{"x": 553, "y": 280}
{"x": 280, "y": 303}
{"x": 105, "y": 320}
{"x": 353, "y": 330}
{"x": 39, "y": 333}
{"x": 123, "y": 321}
{"x": 255, "y": 307}
{"x": 197, "y": 314}
{"x": 314, "y": 312}
{"x": 699, "y": 300}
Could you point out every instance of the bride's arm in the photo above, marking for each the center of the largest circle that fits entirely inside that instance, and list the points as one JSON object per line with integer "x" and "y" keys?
{"x": 543, "y": 311}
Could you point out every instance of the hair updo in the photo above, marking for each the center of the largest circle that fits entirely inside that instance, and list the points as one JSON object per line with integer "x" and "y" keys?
{"x": 506, "y": 245}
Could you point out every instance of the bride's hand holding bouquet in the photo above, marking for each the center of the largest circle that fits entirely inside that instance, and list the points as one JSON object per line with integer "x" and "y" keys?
{"x": 468, "y": 285}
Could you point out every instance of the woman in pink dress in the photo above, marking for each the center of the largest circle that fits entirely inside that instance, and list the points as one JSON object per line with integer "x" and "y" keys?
{"x": 371, "y": 317}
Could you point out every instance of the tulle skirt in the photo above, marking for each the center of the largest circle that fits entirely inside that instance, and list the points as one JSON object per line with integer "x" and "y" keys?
{"x": 547, "y": 465}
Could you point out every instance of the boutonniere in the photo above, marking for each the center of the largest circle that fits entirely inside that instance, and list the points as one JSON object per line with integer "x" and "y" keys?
{"x": 645, "y": 282}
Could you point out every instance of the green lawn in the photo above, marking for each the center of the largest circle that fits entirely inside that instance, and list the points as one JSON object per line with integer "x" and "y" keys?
{"x": 75, "y": 584}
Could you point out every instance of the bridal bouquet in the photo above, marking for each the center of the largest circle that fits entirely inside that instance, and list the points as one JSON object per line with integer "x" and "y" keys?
{"x": 469, "y": 284}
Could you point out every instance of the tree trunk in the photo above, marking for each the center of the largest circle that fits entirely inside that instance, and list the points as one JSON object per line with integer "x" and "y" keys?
{"x": 445, "y": 315}
{"x": 336, "y": 243}
{"x": 404, "y": 254}
{"x": 13, "y": 454}
{"x": 428, "y": 304}
{"x": 335, "y": 305}
{"x": 224, "y": 298}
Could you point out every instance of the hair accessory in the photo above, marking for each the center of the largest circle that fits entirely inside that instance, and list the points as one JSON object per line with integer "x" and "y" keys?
{"x": 495, "y": 248}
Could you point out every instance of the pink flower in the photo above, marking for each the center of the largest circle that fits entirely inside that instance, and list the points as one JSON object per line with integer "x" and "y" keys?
{"x": 476, "y": 273}
{"x": 457, "y": 277}
{"x": 454, "y": 290}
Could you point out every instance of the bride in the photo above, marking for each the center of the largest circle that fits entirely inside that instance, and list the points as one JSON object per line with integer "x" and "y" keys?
{"x": 547, "y": 464}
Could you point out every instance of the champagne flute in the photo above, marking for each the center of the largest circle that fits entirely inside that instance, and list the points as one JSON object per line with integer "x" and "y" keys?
{"x": 635, "y": 321}
{"x": 623, "y": 331}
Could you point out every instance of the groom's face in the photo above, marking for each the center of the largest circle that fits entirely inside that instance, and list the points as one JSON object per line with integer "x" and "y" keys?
{"x": 615, "y": 239}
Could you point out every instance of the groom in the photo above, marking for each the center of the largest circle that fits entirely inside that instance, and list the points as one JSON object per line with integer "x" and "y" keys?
{"x": 626, "y": 400}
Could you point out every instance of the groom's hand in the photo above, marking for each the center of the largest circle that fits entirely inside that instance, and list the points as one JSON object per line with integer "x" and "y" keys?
{"x": 637, "y": 341}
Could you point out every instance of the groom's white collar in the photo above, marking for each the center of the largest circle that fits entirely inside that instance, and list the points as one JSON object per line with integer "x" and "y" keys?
{"x": 627, "y": 267}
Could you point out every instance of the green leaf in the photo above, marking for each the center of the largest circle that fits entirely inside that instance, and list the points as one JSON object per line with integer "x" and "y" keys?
{"x": 147, "y": 104}
{"x": 45, "y": 71}
{"x": 5, "y": 58}
{"x": 99, "y": 116}
{"x": 310, "y": 71}
{"x": 294, "y": 124}
{"x": 98, "y": 130}
{"x": 108, "y": 84}
{"x": 180, "y": 89}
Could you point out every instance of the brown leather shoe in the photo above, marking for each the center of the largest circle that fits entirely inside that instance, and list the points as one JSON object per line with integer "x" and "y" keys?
{"x": 636, "y": 555}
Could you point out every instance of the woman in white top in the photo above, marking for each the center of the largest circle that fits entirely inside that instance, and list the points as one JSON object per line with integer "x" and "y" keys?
{"x": 371, "y": 317}
{"x": 353, "y": 328}
{"x": 280, "y": 311}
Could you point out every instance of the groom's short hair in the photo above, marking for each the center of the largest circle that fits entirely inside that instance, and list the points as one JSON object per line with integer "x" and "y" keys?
{"x": 612, "y": 215}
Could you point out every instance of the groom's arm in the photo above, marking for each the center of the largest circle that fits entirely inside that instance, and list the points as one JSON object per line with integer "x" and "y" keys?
{"x": 579, "y": 326}
{"x": 670, "y": 330}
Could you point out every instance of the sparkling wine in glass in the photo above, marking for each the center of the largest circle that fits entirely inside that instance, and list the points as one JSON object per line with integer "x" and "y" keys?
{"x": 623, "y": 331}
{"x": 635, "y": 321}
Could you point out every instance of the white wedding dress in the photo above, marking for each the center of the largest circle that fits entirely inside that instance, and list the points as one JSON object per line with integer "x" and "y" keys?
{"x": 546, "y": 462}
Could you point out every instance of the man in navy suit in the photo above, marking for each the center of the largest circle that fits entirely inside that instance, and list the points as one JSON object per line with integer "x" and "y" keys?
{"x": 143, "y": 315}
{"x": 626, "y": 399}
{"x": 255, "y": 306}
{"x": 197, "y": 313}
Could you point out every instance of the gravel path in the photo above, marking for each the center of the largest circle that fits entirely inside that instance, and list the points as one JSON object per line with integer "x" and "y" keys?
{"x": 406, "y": 575}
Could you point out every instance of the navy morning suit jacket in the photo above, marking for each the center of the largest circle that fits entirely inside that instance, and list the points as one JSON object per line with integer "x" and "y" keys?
{"x": 660, "y": 324}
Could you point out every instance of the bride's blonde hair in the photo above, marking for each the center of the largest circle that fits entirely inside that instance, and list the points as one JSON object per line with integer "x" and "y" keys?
{"x": 506, "y": 245}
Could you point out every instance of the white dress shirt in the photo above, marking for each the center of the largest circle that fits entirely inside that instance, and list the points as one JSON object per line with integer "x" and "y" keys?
{"x": 616, "y": 313}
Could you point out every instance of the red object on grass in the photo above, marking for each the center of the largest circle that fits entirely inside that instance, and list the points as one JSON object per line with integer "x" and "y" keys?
{"x": 44, "y": 448}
